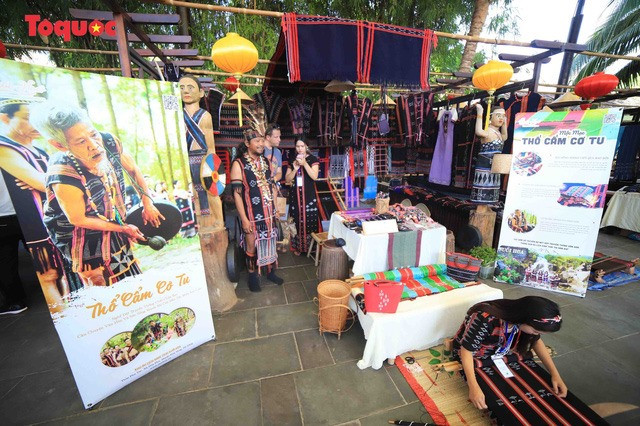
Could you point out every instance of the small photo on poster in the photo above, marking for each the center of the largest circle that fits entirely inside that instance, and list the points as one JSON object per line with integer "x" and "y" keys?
{"x": 583, "y": 195}
{"x": 543, "y": 270}
{"x": 522, "y": 221}
{"x": 118, "y": 350}
{"x": 526, "y": 163}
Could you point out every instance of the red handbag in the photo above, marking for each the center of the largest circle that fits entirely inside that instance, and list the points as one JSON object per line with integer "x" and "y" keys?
{"x": 382, "y": 296}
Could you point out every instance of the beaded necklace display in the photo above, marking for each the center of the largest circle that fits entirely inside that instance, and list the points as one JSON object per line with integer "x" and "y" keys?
{"x": 107, "y": 179}
{"x": 259, "y": 169}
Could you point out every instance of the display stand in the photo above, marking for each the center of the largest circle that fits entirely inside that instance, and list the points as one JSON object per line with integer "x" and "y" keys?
{"x": 484, "y": 219}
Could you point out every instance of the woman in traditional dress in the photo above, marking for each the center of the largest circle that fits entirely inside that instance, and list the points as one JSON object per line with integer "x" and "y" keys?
{"x": 303, "y": 204}
{"x": 495, "y": 328}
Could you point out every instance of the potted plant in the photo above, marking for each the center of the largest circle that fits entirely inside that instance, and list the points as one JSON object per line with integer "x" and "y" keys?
{"x": 488, "y": 257}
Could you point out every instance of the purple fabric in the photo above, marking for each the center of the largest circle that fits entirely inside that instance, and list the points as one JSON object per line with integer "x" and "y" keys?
{"x": 440, "y": 172}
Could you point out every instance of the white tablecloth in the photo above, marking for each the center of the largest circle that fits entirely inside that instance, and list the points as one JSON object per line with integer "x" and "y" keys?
{"x": 417, "y": 324}
{"x": 623, "y": 211}
{"x": 369, "y": 252}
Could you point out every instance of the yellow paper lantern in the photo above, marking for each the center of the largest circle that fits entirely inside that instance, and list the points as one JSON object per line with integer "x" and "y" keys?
{"x": 236, "y": 55}
{"x": 490, "y": 77}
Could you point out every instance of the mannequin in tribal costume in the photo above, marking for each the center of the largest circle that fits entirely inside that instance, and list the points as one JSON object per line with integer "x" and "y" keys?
{"x": 199, "y": 135}
{"x": 486, "y": 185}
{"x": 254, "y": 196}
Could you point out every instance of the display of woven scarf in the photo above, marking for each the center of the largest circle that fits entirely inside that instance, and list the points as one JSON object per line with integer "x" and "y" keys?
{"x": 419, "y": 281}
{"x": 326, "y": 48}
{"x": 581, "y": 195}
{"x": 300, "y": 112}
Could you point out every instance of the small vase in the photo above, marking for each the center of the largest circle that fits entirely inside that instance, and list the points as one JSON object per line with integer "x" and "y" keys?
{"x": 486, "y": 272}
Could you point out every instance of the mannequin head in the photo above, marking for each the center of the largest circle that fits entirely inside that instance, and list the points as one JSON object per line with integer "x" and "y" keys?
{"x": 191, "y": 90}
{"x": 498, "y": 117}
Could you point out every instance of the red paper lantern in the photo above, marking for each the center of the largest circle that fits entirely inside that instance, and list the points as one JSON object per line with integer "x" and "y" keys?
{"x": 3, "y": 50}
{"x": 596, "y": 85}
{"x": 231, "y": 84}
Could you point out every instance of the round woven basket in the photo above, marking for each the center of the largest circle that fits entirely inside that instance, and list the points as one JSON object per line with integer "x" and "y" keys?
{"x": 333, "y": 301}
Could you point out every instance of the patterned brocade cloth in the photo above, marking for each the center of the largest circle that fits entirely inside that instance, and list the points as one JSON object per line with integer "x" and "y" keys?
{"x": 419, "y": 281}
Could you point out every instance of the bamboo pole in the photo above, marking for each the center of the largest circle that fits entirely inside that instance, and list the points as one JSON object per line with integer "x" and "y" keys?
{"x": 485, "y": 40}
{"x": 60, "y": 49}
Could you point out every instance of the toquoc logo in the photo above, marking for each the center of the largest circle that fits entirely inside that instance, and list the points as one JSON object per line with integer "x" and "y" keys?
{"x": 65, "y": 29}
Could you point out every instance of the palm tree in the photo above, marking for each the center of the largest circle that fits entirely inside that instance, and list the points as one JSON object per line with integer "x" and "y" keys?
{"x": 619, "y": 35}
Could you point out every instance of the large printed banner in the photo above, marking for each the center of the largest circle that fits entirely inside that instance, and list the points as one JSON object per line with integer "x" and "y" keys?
{"x": 556, "y": 194}
{"x": 97, "y": 171}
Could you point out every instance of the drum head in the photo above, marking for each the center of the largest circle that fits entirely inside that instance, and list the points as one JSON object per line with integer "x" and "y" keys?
{"x": 168, "y": 228}
{"x": 468, "y": 237}
{"x": 212, "y": 174}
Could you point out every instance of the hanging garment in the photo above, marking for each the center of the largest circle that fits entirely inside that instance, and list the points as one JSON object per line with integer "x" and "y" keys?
{"x": 531, "y": 102}
{"x": 213, "y": 101}
{"x": 466, "y": 146}
{"x": 412, "y": 117}
{"x": 398, "y": 159}
{"x": 272, "y": 103}
{"x": 231, "y": 134}
{"x": 627, "y": 154}
{"x": 486, "y": 185}
{"x": 330, "y": 111}
{"x": 440, "y": 171}
{"x": 358, "y": 112}
{"x": 300, "y": 112}
{"x": 373, "y": 132}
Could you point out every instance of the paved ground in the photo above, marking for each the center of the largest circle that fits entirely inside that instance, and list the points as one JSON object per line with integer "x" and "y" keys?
{"x": 270, "y": 366}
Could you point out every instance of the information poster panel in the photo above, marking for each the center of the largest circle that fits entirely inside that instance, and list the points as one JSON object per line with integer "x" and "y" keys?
{"x": 96, "y": 167}
{"x": 555, "y": 198}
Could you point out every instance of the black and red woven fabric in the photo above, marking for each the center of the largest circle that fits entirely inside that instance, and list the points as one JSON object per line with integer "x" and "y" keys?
{"x": 528, "y": 397}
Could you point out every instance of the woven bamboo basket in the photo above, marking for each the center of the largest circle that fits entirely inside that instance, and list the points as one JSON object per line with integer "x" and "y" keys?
{"x": 333, "y": 301}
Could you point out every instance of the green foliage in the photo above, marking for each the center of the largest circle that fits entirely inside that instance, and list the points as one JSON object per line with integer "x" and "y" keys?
{"x": 117, "y": 340}
{"x": 619, "y": 35}
{"x": 206, "y": 27}
{"x": 487, "y": 254}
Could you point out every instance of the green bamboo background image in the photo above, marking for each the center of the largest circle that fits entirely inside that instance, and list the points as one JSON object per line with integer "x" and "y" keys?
{"x": 133, "y": 110}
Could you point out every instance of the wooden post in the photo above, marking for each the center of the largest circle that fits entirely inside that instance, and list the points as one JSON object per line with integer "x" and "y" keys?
{"x": 214, "y": 241}
{"x": 484, "y": 219}
{"x": 123, "y": 45}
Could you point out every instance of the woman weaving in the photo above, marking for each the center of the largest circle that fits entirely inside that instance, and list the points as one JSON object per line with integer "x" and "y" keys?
{"x": 496, "y": 328}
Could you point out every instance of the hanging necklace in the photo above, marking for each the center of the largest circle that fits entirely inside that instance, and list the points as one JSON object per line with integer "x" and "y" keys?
{"x": 259, "y": 169}
{"x": 108, "y": 181}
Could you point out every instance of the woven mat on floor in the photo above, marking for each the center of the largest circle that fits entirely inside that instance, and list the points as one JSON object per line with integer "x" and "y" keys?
{"x": 444, "y": 395}
{"x": 614, "y": 279}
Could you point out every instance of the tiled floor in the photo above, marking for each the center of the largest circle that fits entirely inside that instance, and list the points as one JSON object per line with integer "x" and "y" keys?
{"x": 270, "y": 366}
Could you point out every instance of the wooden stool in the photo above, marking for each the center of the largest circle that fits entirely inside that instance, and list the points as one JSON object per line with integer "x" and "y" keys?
{"x": 334, "y": 262}
{"x": 318, "y": 240}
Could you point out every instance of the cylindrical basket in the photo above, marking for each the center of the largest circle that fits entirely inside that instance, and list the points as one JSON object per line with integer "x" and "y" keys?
{"x": 333, "y": 301}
